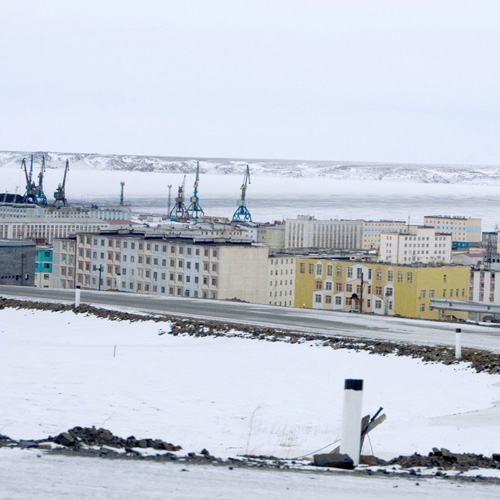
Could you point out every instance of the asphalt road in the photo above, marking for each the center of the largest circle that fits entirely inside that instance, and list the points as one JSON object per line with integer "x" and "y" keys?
{"x": 302, "y": 320}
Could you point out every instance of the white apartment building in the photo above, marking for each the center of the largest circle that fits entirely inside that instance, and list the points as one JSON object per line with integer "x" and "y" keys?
{"x": 44, "y": 230}
{"x": 483, "y": 286}
{"x": 30, "y": 211}
{"x": 307, "y": 232}
{"x": 372, "y": 229}
{"x": 210, "y": 268}
{"x": 282, "y": 280}
{"x": 422, "y": 244}
{"x": 462, "y": 229}
{"x": 63, "y": 264}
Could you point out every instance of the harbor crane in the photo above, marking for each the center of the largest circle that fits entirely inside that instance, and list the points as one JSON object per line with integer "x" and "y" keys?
{"x": 242, "y": 214}
{"x": 30, "y": 194}
{"x": 40, "y": 195}
{"x": 179, "y": 210}
{"x": 195, "y": 209}
{"x": 60, "y": 193}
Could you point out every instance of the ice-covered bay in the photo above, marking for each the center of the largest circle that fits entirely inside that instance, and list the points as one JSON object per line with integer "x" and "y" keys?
{"x": 275, "y": 198}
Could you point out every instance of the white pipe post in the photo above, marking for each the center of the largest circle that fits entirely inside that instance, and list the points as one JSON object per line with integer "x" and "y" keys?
{"x": 350, "y": 438}
{"x": 458, "y": 343}
{"x": 77, "y": 297}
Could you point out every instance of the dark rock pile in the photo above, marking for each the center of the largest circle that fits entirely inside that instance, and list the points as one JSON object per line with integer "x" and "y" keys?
{"x": 91, "y": 436}
{"x": 444, "y": 459}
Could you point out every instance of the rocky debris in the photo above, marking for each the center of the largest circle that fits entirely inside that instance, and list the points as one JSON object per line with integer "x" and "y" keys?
{"x": 91, "y": 436}
{"x": 337, "y": 460}
{"x": 444, "y": 459}
{"x": 5, "y": 440}
{"x": 481, "y": 361}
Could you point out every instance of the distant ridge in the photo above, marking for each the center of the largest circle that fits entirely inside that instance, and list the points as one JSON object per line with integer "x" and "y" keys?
{"x": 441, "y": 174}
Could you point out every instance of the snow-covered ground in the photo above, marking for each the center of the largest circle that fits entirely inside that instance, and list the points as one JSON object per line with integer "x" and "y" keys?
{"x": 31, "y": 475}
{"x": 230, "y": 395}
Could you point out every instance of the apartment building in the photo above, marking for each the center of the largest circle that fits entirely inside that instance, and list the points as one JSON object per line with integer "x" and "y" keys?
{"x": 43, "y": 267}
{"x": 210, "y": 268}
{"x": 463, "y": 230}
{"x": 63, "y": 262}
{"x": 373, "y": 229}
{"x": 385, "y": 289}
{"x": 307, "y": 232}
{"x": 45, "y": 230}
{"x": 483, "y": 286}
{"x": 421, "y": 244}
{"x": 31, "y": 211}
{"x": 17, "y": 262}
{"x": 281, "y": 280}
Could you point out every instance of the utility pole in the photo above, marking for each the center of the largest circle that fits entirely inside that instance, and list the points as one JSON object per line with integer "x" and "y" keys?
{"x": 169, "y": 198}
{"x": 122, "y": 184}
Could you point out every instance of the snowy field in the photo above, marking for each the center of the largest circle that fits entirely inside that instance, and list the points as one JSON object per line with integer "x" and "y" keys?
{"x": 231, "y": 396}
{"x": 275, "y": 198}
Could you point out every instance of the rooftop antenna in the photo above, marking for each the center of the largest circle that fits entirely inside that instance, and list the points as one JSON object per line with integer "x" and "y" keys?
{"x": 242, "y": 214}
{"x": 169, "y": 198}
{"x": 122, "y": 184}
{"x": 195, "y": 208}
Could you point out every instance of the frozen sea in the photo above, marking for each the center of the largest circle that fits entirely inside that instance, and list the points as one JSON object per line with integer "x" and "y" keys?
{"x": 276, "y": 198}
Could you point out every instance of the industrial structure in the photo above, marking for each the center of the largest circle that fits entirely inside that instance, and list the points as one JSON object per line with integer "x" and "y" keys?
{"x": 242, "y": 213}
{"x": 60, "y": 193}
{"x": 179, "y": 210}
{"x": 194, "y": 208}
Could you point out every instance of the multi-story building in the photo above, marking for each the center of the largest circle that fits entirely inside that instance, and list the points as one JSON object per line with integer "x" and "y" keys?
{"x": 43, "y": 267}
{"x": 17, "y": 262}
{"x": 63, "y": 262}
{"x": 31, "y": 211}
{"x": 281, "y": 291}
{"x": 483, "y": 286}
{"x": 395, "y": 290}
{"x": 307, "y": 232}
{"x": 44, "y": 230}
{"x": 372, "y": 229}
{"x": 463, "y": 230}
{"x": 203, "y": 267}
{"x": 420, "y": 244}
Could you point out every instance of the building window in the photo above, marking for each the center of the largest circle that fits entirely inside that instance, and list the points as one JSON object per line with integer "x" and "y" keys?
{"x": 339, "y": 272}
{"x": 319, "y": 269}
{"x": 390, "y": 275}
{"x": 317, "y": 299}
{"x": 422, "y": 307}
{"x": 422, "y": 294}
{"x": 409, "y": 277}
{"x": 302, "y": 268}
{"x": 378, "y": 290}
{"x": 319, "y": 285}
{"x": 348, "y": 288}
{"x": 378, "y": 304}
{"x": 311, "y": 268}
{"x": 328, "y": 285}
{"x": 338, "y": 301}
{"x": 444, "y": 278}
{"x": 338, "y": 287}
{"x": 400, "y": 277}
{"x": 329, "y": 270}
{"x": 431, "y": 294}
{"x": 379, "y": 274}
{"x": 349, "y": 272}
{"x": 328, "y": 299}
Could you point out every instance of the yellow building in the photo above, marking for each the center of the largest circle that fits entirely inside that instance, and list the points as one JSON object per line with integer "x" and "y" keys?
{"x": 394, "y": 290}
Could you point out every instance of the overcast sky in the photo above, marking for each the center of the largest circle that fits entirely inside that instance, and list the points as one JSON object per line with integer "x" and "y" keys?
{"x": 369, "y": 80}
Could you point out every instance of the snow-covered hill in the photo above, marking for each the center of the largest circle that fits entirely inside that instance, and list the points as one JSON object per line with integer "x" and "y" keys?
{"x": 442, "y": 174}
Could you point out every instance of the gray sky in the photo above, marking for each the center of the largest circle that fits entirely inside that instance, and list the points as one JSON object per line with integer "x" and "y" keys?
{"x": 370, "y": 80}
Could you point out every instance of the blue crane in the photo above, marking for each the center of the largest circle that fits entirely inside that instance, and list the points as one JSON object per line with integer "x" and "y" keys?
{"x": 195, "y": 209}
{"x": 242, "y": 214}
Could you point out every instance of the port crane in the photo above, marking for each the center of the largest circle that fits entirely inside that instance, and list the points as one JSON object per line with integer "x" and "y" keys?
{"x": 60, "y": 193}
{"x": 40, "y": 195}
{"x": 30, "y": 194}
{"x": 242, "y": 213}
{"x": 195, "y": 209}
{"x": 179, "y": 210}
